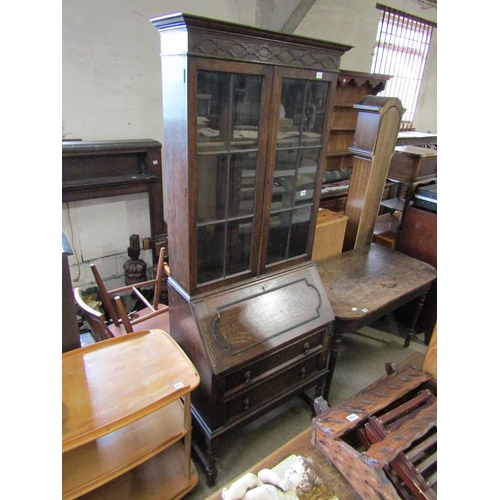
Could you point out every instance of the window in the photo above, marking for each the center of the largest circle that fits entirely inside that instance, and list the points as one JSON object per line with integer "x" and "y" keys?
{"x": 401, "y": 50}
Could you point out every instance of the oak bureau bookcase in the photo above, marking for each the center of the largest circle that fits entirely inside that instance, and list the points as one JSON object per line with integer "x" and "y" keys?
{"x": 246, "y": 115}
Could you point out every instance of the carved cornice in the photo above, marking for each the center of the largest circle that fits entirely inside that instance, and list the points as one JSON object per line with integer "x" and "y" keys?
{"x": 230, "y": 41}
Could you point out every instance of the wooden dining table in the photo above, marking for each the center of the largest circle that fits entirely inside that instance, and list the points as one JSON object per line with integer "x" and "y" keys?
{"x": 367, "y": 283}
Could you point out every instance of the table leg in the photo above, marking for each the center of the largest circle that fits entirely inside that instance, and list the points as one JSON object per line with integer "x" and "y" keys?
{"x": 413, "y": 325}
{"x": 334, "y": 352}
{"x": 204, "y": 448}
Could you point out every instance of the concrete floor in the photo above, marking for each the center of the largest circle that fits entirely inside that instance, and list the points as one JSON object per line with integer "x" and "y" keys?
{"x": 361, "y": 360}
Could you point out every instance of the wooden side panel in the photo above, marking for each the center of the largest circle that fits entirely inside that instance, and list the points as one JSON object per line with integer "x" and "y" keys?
{"x": 430, "y": 360}
{"x": 356, "y": 199}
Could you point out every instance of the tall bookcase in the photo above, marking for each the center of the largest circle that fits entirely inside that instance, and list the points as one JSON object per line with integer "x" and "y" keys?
{"x": 352, "y": 86}
{"x": 246, "y": 120}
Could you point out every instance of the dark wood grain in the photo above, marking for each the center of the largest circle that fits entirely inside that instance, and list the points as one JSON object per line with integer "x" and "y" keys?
{"x": 367, "y": 283}
{"x": 418, "y": 239}
{"x": 362, "y": 283}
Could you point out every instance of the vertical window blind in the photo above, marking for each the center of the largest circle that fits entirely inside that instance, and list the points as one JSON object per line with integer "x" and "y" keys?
{"x": 401, "y": 50}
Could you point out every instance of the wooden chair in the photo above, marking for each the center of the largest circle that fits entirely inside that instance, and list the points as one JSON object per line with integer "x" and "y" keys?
{"x": 117, "y": 312}
{"x": 154, "y": 312}
{"x": 96, "y": 320}
{"x": 102, "y": 329}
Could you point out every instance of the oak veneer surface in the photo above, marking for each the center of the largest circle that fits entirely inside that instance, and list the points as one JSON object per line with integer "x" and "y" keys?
{"x": 96, "y": 378}
{"x": 364, "y": 280}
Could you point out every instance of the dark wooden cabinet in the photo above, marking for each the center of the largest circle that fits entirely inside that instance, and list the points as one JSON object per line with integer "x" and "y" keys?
{"x": 418, "y": 239}
{"x": 410, "y": 167}
{"x": 246, "y": 116}
{"x": 98, "y": 169}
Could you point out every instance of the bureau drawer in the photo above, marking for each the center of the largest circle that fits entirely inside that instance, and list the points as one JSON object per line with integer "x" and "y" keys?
{"x": 303, "y": 372}
{"x": 306, "y": 346}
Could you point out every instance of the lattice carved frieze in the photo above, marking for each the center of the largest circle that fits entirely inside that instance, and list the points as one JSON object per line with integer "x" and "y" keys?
{"x": 264, "y": 51}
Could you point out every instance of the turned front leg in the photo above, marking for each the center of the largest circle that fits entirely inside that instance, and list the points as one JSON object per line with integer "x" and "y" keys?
{"x": 413, "y": 325}
{"x": 210, "y": 467}
{"x": 334, "y": 352}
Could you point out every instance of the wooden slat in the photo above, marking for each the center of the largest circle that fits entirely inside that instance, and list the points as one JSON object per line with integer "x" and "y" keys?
{"x": 369, "y": 482}
{"x": 357, "y": 409}
{"x": 387, "y": 449}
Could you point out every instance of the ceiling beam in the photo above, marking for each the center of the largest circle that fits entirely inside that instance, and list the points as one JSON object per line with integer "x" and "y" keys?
{"x": 297, "y": 15}
{"x": 277, "y": 15}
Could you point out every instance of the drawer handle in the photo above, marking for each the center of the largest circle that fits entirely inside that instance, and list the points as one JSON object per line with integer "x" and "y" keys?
{"x": 246, "y": 404}
{"x": 306, "y": 347}
{"x": 303, "y": 372}
{"x": 247, "y": 376}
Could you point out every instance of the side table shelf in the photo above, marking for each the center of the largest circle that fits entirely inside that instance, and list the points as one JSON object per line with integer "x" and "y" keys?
{"x": 126, "y": 413}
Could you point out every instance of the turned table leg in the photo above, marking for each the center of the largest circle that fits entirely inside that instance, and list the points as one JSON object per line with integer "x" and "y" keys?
{"x": 205, "y": 453}
{"x": 413, "y": 325}
{"x": 210, "y": 468}
{"x": 334, "y": 352}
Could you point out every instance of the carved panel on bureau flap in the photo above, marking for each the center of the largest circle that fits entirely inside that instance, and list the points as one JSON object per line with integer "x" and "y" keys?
{"x": 237, "y": 323}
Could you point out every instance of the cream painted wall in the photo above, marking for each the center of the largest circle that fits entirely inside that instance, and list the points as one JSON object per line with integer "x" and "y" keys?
{"x": 111, "y": 66}
{"x": 111, "y": 89}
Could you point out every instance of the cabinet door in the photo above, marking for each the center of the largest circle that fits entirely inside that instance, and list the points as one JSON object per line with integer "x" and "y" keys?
{"x": 231, "y": 106}
{"x": 260, "y": 133}
{"x": 296, "y": 162}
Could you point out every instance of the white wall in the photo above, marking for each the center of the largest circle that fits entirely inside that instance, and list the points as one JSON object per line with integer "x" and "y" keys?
{"x": 111, "y": 89}
{"x": 111, "y": 65}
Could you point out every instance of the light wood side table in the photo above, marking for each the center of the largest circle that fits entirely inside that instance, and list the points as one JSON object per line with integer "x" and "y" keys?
{"x": 126, "y": 418}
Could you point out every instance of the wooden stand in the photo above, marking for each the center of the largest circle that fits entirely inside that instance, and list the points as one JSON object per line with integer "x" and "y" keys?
{"x": 410, "y": 167}
{"x": 121, "y": 409}
{"x": 374, "y": 142}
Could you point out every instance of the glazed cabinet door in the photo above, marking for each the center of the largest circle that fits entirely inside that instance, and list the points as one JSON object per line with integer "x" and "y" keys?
{"x": 232, "y": 114}
{"x": 258, "y": 163}
{"x": 296, "y": 163}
